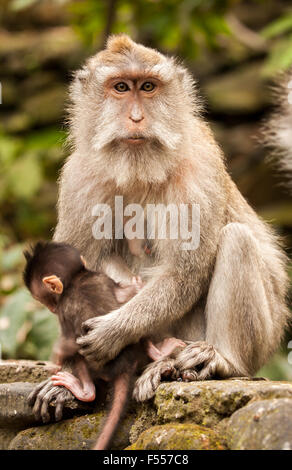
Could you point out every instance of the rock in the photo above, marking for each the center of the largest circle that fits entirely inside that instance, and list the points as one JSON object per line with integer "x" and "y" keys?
{"x": 210, "y": 401}
{"x": 72, "y": 434}
{"x": 185, "y": 412}
{"x": 15, "y": 411}
{"x": 26, "y": 371}
{"x": 175, "y": 436}
{"x": 262, "y": 425}
{"x": 146, "y": 416}
{"x": 6, "y": 436}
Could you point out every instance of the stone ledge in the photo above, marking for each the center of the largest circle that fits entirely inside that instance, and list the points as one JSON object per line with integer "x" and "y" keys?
{"x": 216, "y": 414}
{"x": 15, "y": 411}
{"x": 79, "y": 433}
{"x": 26, "y": 371}
{"x": 262, "y": 425}
{"x": 210, "y": 401}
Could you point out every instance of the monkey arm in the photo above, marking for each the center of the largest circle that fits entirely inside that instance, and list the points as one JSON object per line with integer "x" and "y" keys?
{"x": 162, "y": 301}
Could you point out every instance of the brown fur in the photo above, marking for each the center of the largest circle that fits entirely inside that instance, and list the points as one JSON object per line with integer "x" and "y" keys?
{"x": 227, "y": 297}
{"x": 277, "y": 130}
{"x": 86, "y": 294}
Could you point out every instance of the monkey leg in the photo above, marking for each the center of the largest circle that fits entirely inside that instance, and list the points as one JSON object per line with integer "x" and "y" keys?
{"x": 239, "y": 329}
{"x": 45, "y": 393}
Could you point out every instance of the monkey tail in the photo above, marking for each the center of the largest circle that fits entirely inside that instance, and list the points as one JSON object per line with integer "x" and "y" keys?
{"x": 278, "y": 130}
{"x": 122, "y": 386}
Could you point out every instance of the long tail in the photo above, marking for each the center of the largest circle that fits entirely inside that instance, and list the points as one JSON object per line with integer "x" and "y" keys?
{"x": 278, "y": 130}
{"x": 122, "y": 385}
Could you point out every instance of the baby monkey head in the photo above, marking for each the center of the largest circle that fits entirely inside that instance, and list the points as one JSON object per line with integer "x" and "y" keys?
{"x": 49, "y": 269}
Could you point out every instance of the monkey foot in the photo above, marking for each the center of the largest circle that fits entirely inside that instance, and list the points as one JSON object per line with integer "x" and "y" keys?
{"x": 200, "y": 361}
{"x": 146, "y": 385}
{"x": 189, "y": 375}
{"x": 69, "y": 381}
{"x": 169, "y": 345}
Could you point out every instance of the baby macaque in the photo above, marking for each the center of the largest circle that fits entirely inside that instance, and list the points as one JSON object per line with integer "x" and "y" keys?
{"x": 56, "y": 276}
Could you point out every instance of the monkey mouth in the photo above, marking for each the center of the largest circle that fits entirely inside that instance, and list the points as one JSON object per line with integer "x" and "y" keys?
{"x": 135, "y": 139}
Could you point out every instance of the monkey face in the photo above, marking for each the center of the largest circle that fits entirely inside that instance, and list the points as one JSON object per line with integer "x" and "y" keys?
{"x": 132, "y": 111}
{"x": 133, "y": 95}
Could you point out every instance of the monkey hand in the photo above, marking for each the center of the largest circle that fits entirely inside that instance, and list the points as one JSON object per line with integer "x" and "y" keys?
{"x": 45, "y": 393}
{"x": 104, "y": 337}
{"x": 200, "y": 361}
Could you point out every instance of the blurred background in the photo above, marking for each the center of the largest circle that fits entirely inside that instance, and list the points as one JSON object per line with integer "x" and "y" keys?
{"x": 234, "y": 49}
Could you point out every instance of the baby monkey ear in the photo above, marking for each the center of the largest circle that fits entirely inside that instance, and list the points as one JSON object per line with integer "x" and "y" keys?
{"x": 53, "y": 284}
{"x": 83, "y": 260}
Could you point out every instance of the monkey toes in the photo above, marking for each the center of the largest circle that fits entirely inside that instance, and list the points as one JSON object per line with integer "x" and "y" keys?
{"x": 146, "y": 385}
{"x": 197, "y": 361}
{"x": 45, "y": 393}
{"x": 137, "y": 283}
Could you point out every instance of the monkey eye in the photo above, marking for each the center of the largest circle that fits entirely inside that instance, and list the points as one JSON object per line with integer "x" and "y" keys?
{"x": 147, "y": 86}
{"x": 121, "y": 87}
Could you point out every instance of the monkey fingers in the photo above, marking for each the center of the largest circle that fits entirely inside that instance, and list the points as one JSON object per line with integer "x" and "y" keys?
{"x": 138, "y": 283}
{"x": 146, "y": 385}
{"x": 189, "y": 375}
{"x": 33, "y": 395}
{"x": 104, "y": 340}
{"x": 62, "y": 397}
{"x": 41, "y": 405}
{"x": 43, "y": 395}
{"x": 196, "y": 361}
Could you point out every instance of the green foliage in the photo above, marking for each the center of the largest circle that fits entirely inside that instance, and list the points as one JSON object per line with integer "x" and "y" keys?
{"x": 29, "y": 167}
{"x": 279, "y": 32}
{"x": 32, "y": 145}
{"x": 26, "y": 329}
{"x": 184, "y": 27}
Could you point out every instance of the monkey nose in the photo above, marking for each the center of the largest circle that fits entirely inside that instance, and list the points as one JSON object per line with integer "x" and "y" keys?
{"x": 136, "y": 119}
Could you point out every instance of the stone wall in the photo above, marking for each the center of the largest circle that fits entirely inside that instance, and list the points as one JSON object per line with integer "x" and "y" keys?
{"x": 232, "y": 414}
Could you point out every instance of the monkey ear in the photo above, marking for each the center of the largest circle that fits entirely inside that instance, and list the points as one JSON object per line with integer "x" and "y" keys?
{"x": 53, "y": 284}
{"x": 83, "y": 260}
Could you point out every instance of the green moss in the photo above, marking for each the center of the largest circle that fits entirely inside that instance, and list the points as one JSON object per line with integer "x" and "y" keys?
{"x": 178, "y": 436}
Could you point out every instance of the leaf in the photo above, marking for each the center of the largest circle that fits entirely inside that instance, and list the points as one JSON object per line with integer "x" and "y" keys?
{"x": 11, "y": 258}
{"x": 25, "y": 176}
{"x": 16, "y": 311}
{"x": 280, "y": 57}
{"x": 277, "y": 27}
{"x": 44, "y": 333}
{"x": 9, "y": 149}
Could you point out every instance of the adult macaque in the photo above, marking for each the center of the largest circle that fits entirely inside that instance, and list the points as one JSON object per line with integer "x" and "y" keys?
{"x": 137, "y": 132}
{"x": 56, "y": 275}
